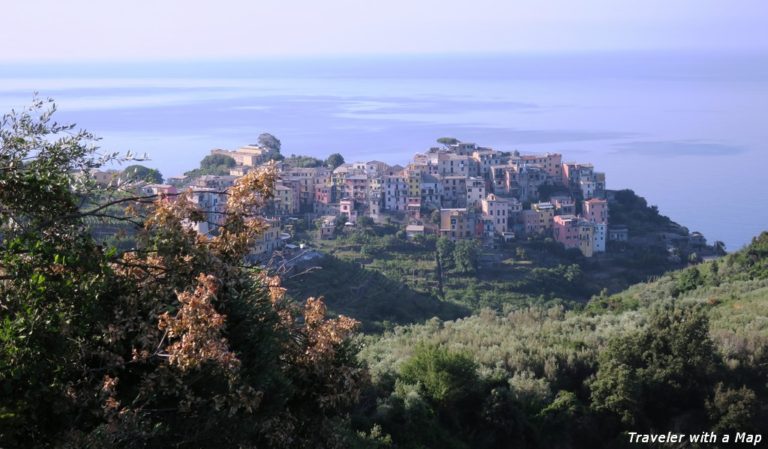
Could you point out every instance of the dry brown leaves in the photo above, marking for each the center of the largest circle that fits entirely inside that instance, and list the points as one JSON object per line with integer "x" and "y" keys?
{"x": 324, "y": 336}
{"x": 195, "y": 330}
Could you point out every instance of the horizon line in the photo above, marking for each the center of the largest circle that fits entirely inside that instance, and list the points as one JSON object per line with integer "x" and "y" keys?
{"x": 355, "y": 56}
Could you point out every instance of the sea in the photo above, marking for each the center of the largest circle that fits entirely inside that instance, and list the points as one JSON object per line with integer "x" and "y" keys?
{"x": 686, "y": 130}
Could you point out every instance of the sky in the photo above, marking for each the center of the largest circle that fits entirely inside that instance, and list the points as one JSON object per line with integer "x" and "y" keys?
{"x": 142, "y": 30}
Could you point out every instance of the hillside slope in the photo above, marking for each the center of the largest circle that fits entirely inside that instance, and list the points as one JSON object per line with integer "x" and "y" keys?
{"x": 687, "y": 352}
{"x": 374, "y": 274}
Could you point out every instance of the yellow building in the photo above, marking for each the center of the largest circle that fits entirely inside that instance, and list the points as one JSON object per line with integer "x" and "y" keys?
{"x": 498, "y": 211}
{"x": 267, "y": 242}
{"x": 587, "y": 238}
{"x": 456, "y": 224}
{"x": 284, "y": 201}
{"x": 250, "y": 155}
{"x": 414, "y": 184}
{"x": 546, "y": 213}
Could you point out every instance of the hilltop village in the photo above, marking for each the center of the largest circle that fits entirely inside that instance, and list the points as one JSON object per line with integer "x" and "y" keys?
{"x": 458, "y": 191}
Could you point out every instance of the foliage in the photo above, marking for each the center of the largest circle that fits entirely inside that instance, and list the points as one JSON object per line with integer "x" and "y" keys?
{"x": 212, "y": 161}
{"x": 647, "y": 361}
{"x": 367, "y": 295}
{"x": 547, "y": 275}
{"x": 340, "y": 222}
{"x": 142, "y": 173}
{"x": 752, "y": 262}
{"x": 733, "y": 410}
{"x": 217, "y": 163}
{"x": 656, "y": 375}
{"x": 719, "y": 248}
{"x": 448, "y": 141}
{"x": 365, "y": 222}
{"x": 276, "y": 157}
{"x": 687, "y": 280}
{"x": 445, "y": 376}
{"x": 465, "y": 255}
{"x": 434, "y": 217}
{"x": 522, "y": 359}
{"x": 546, "y": 191}
{"x": 445, "y": 249}
{"x": 269, "y": 141}
{"x": 165, "y": 344}
{"x": 743, "y": 266}
{"x": 633, "y": 211}
{"x": 303, "y": 161}
{"x": 213, "y": 164}
{"x": 334, "y": 160}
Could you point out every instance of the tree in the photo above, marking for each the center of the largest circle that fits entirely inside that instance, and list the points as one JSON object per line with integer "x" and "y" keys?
{"x": 213, "y": 161}
{"x": 213, "y": 164}
{"x": 445, "y": 248}
{"x": 365, "y": 222}
{"x": 340, "y": 222}
{"x": 448, "y": 141}
{"x": 650, "y": 377}
{"x": 687, "y": 280}
{"x": 694, "y": 258}
{"x": 719, "y": 247}
{"x": 161, "y": 345}
{"x": 434, "y": 217}
{"x": 733, "y": 410}
{"x": 269, "y": 141}
{"x": 445, "y": 376}
{"x": 276, "y": 157}
{"x": 334, "y": 160}
{"x": 142, "y": 173}
{"x": 303, "y": 161}
{"x": 465, "y": 255}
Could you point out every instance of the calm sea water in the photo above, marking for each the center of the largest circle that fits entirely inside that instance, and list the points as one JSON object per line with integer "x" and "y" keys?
{"x": 687, "y": 131}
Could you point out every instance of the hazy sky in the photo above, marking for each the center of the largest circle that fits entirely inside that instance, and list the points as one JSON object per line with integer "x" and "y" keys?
{"x": 48, "y": 30}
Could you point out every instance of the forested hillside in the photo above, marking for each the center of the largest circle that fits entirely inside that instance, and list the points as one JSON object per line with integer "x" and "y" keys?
{"x": 375, "y": 274}
{"x": 687, "y": 353}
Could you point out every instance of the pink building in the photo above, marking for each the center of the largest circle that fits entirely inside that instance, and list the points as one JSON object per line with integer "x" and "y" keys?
{"x": 347, "y": 207}
{"x": 552, "y": 163}
{"x": 565, "y": 230}
{"x": 531, "y": 222}
{"x": 596, "y": 211}
{"x": 323, "y": 194}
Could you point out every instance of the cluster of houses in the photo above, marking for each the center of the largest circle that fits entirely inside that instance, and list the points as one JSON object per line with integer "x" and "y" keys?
{"x": 459, "y": 191}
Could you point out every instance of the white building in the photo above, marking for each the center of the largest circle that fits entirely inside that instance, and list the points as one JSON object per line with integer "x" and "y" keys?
{"x": 601, "y": 235}
{"x": 475, "y": 192}
{"x": 498, "y": 210}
